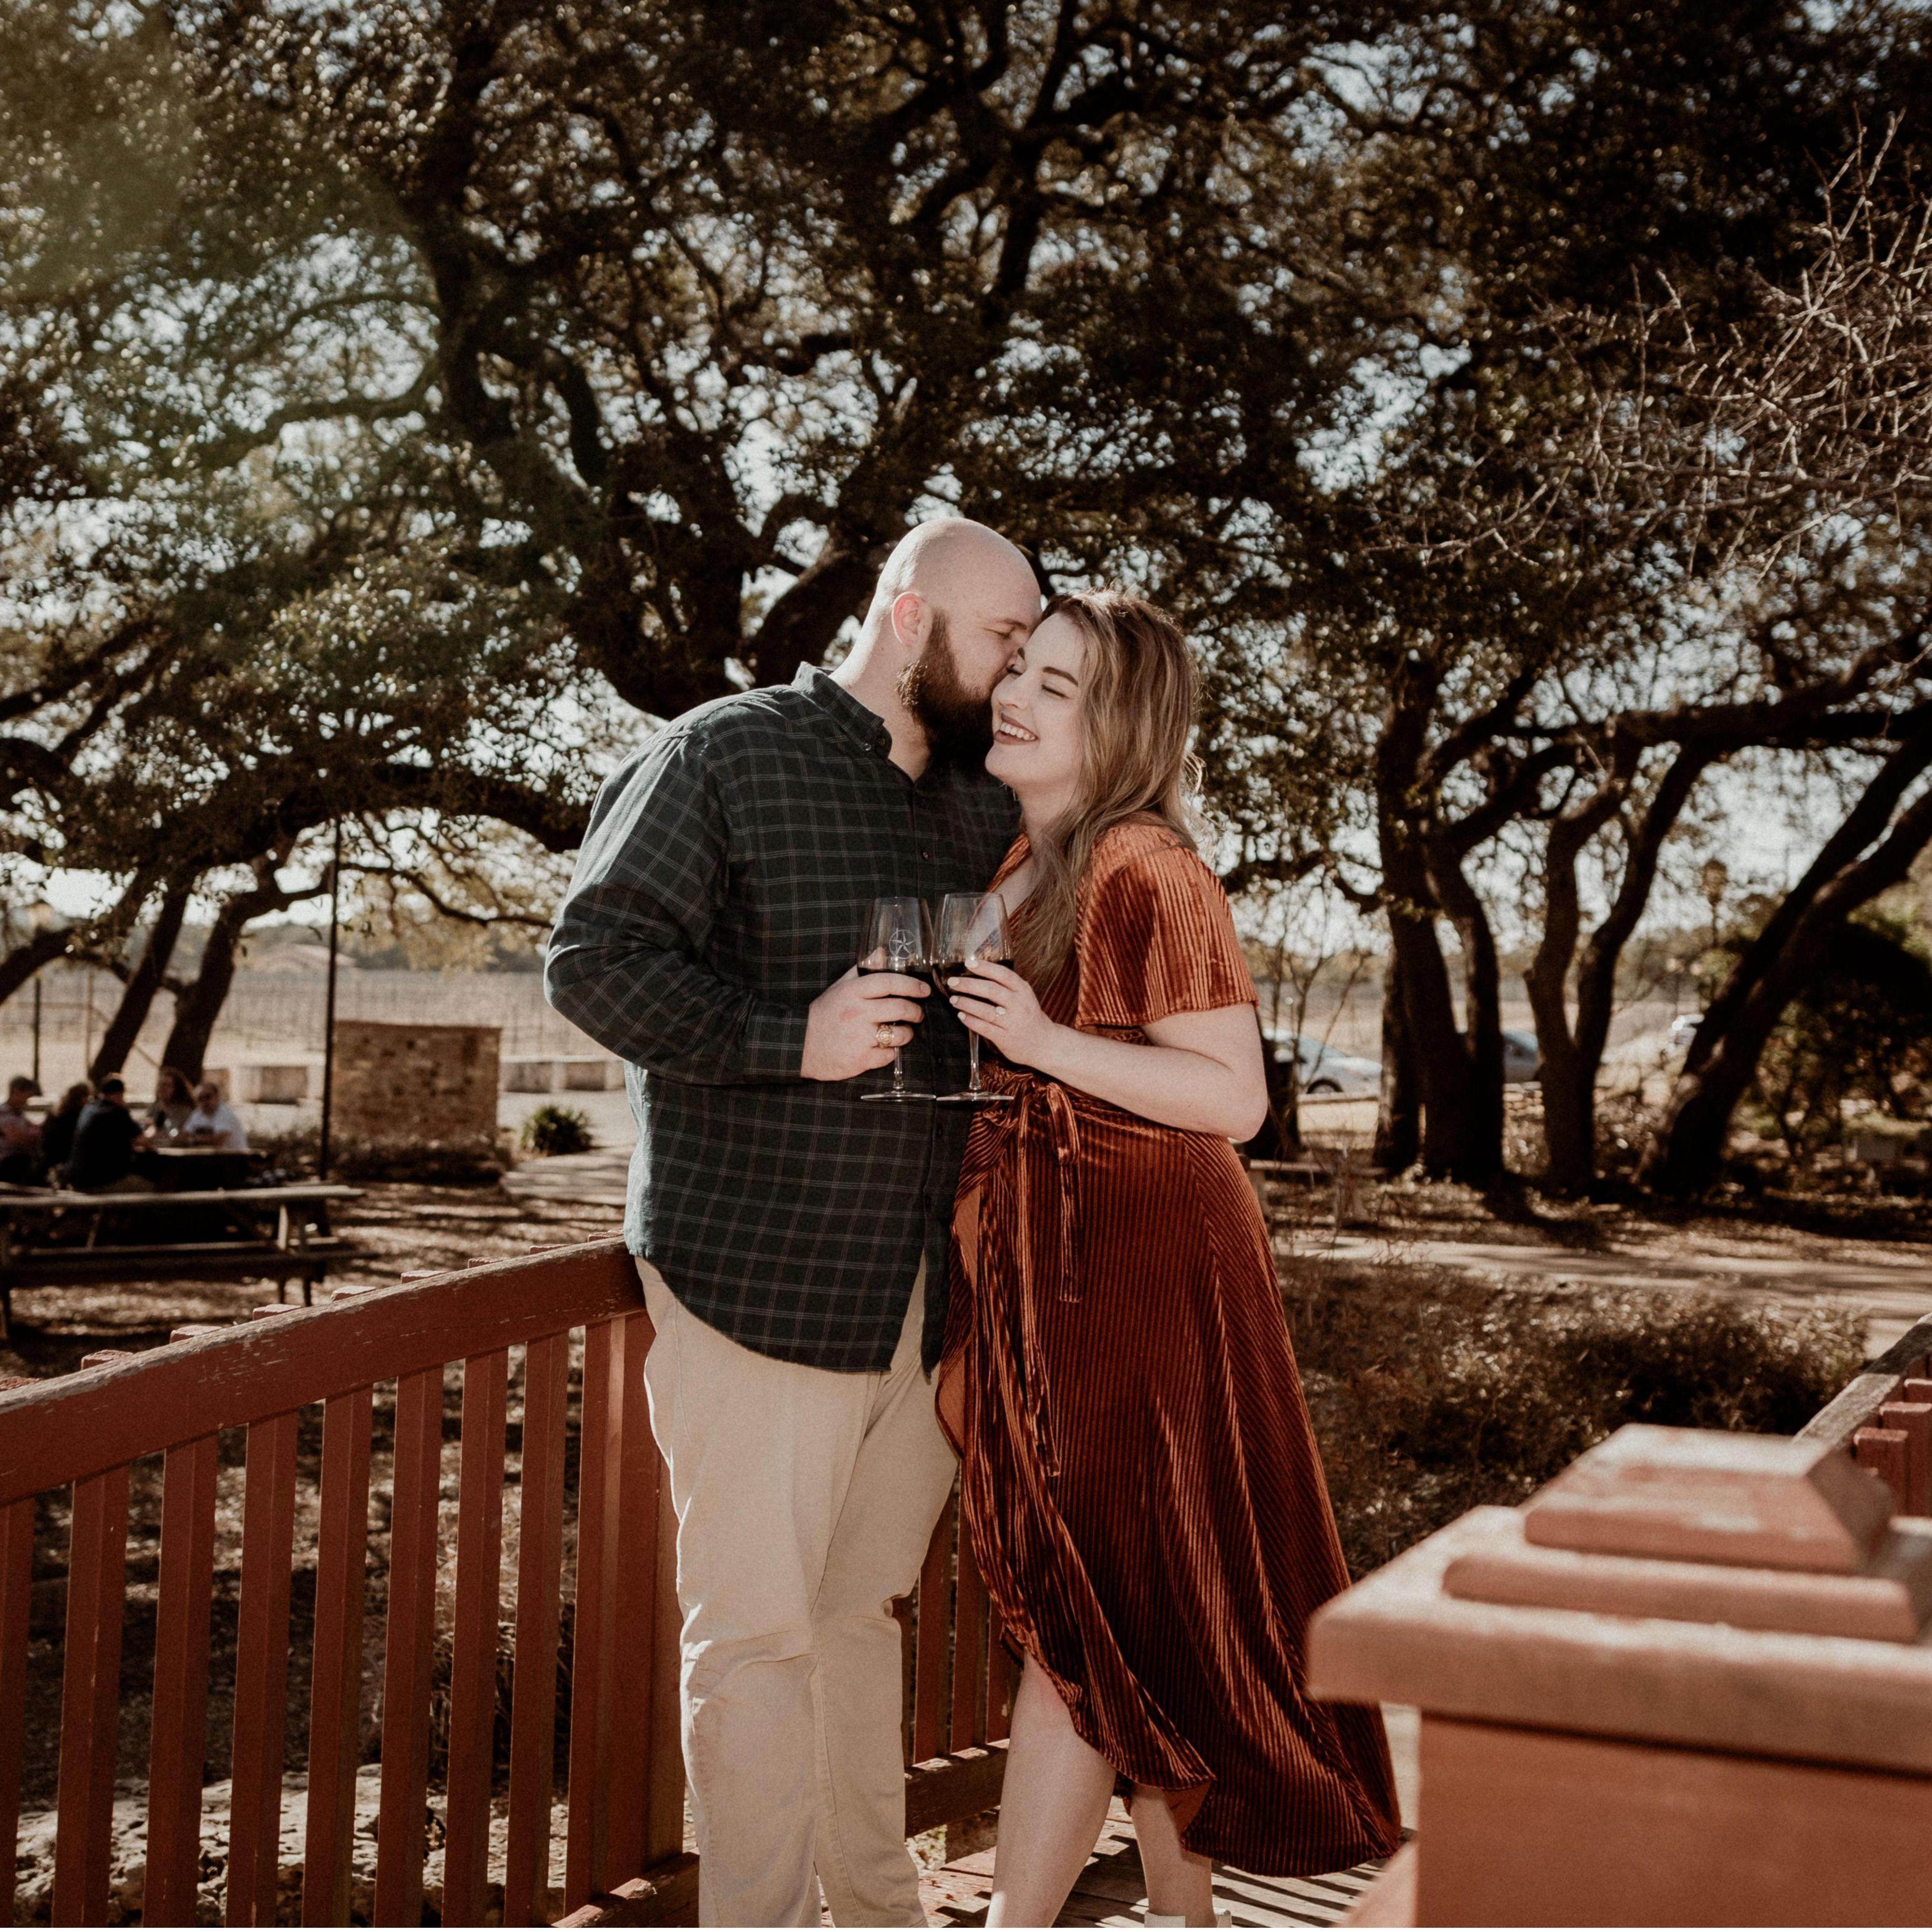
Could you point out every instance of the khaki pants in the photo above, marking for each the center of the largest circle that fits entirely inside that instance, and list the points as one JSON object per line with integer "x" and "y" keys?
{"x": 804, "y": 1502}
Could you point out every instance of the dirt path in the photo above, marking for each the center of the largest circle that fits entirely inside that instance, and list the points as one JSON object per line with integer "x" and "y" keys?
{"x": 1893, "y": 1289}
{"x": 1890, "y": 1279}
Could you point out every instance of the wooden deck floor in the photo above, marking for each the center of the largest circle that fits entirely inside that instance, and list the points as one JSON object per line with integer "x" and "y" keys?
{"x": 1110, "y": 1891}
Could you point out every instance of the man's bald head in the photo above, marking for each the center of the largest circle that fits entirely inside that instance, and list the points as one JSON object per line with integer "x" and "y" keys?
{"x": 952, "y": 559}
{"x": 955, "y": 601}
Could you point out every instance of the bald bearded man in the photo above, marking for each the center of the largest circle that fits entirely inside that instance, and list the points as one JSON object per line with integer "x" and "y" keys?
{"x": 792, "y": 1238}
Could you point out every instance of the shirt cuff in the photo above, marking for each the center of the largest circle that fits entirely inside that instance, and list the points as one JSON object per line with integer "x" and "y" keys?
{"x": 772, "y": 1043}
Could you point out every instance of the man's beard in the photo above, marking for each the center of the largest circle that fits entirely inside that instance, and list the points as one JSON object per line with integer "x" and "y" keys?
{"x": 959, "y": 722}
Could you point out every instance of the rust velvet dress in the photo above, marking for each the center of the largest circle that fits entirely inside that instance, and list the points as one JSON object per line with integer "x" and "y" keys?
{"x": 1144, "y": 1495}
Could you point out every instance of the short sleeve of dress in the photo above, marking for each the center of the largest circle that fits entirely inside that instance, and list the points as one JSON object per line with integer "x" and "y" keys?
{"x": 1155, "y": 936}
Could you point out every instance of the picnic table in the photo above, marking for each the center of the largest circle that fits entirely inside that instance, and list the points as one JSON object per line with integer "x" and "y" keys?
{"x": 181, "y": 1169}
{"x": 53, "y": 1237}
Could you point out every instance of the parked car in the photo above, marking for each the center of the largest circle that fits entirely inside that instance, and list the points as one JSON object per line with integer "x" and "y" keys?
{"x": 1321, "y": 1069}
{"x": 1522, "y": 1057}
{"x": 1683, "y": 1028}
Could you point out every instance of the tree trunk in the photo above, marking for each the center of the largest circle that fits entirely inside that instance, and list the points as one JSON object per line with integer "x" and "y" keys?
{"x": 198, "y": 1005}
{"x": 1399, "y": 1116}
{"x": 1573, "y": 1056}
{"x": 1568, "y": 1081}
{"x": 1280, "y": 1136}
{"x": 1479, "y": 1159}
{"x": 1437, "y": 1054}
{"x": 137, "y": 996}
{"x": 1684, "y": 1156}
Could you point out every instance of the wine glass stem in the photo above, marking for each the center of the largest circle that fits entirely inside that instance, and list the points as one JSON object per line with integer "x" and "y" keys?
{"x": 899, "y": 1073}
{"x": 973, "y": 1058}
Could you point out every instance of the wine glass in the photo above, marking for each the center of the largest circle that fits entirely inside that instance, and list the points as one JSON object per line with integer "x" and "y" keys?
{"x": 972, "y": 929}
{"x": 898, "y": 938}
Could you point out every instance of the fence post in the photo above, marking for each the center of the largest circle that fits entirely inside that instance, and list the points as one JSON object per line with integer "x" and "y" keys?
{"x": 179, "y": 1740}
{"x": 91, "y": 1698}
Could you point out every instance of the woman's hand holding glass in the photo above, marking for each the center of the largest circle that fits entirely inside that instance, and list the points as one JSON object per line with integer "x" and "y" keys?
{"x": 994, "y": 1002}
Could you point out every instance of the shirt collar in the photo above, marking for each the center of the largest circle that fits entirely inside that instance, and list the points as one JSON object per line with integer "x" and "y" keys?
{"x": 866, "y": 728}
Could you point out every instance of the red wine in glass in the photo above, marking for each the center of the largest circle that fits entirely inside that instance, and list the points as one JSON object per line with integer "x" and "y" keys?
{"x": 898, "y": 939}
{"x": 972, "y": 931}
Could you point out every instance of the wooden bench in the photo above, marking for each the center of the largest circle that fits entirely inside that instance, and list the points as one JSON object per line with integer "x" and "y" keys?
{"x": 38, "y": 1249}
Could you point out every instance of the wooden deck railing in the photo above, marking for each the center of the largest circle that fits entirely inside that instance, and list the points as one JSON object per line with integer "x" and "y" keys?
{"x": 1883, "y": 1416}
{"x": 624, "y": 1850}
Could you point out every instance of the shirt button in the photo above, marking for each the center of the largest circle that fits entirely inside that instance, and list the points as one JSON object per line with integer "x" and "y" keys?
{"x": 926, "y": 855}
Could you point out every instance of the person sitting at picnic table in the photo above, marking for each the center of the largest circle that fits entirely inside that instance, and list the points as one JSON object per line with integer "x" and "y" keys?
{"x": 213, "y": 1122}
{"x": 57, "y": 1136}
{"x": 107, "y": 1145}
{"x": 19, "y": 1133}
{"x": 174, "y": 1104}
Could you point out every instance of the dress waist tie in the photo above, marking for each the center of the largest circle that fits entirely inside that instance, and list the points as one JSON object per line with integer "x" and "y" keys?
{"x": 1044, "y": 1111}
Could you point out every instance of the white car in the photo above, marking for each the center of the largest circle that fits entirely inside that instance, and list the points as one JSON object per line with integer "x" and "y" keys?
{"x": 1684, "y": 1029}
{"x": 1522, "y": 1057}
{"x": 1321, "y": 1070}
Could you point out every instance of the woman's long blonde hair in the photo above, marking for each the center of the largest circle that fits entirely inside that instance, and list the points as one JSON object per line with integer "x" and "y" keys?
{"x": 1138, "y": 693}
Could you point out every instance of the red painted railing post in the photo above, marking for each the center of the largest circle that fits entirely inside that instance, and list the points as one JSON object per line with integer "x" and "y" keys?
{"x": 16, "y": 1583}
{"x": 261, "y": 1672}
{"x": 1882, "y": 1450}
{"x": 91, "y": 1698}
{"x": 335, "y": 1693}
{"x": 1913, "y": 1420}
{"x": 177, "y": 1742}
{"x": 665, "y": 1778}
{"x": 409, "y": 1648}
{"x": 610, "y": 1659}
{"x": 969, "y": 1649}
{"x": 647, "y": 1815}
{"x": 472, "y": 1686}
{"x": 539, "y": 1567}
{"x": 929, "y": 1668}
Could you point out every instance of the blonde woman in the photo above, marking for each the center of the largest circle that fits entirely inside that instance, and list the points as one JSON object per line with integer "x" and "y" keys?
{"x": 1143, "y": 1493}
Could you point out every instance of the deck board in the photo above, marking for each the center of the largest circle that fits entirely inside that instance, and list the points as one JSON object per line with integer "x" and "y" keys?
{"x": 1109, "y": 1890}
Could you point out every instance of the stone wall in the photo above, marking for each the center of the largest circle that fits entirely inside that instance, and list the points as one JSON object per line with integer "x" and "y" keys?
{"x": 431, "y": 1084}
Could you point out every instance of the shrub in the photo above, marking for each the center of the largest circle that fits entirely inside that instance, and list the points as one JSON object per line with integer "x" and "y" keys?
{"x": 477, "y": 1160}
{"x": 291, "y": 1150}
{"x": 557, "y": 1129}
{"x": 468, "y": 1162}
{"x": 1431, "y": 1392}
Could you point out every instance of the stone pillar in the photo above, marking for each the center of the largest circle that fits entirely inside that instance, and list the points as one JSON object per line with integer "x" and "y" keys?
{"x": 428, "y": 1086}
{"x": 1684, "y": 1684}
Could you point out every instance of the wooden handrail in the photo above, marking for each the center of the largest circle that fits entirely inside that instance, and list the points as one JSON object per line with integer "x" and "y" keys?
{"x": 1882, "y": 1417}
{"x": 623, "y": 1849}
{"x": 59, "y": 1431}
{"x": 1855, "y": 1405}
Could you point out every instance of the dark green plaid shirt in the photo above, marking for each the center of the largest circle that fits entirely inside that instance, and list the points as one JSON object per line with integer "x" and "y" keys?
{"x": 723, "y": 885}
